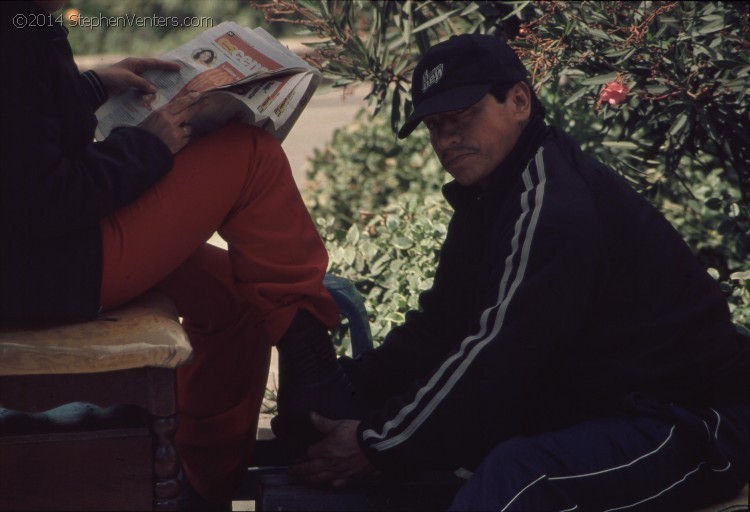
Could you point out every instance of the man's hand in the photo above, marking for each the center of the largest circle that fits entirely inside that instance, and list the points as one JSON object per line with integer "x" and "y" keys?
{"x": 119, "y": 77}
{"x": 337, "y": 458}
{"x": 171, "y": 123}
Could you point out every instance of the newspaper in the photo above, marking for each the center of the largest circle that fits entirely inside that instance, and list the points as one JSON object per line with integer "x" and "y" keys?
{"x": 242, "y": 74}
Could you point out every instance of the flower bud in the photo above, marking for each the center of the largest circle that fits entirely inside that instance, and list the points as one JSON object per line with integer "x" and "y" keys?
{"x": 613, "y": 93}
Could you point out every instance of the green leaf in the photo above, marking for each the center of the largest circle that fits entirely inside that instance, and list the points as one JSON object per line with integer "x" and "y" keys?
{"x": 743, "y": 275}
{"x": 408, "y": 25}
{"x": 623, "y": 144}
{"x": 402, "y": 243}
{"x": 600, "y": 79}
{"x": 656, "y": 89}
{"x": 577, "y": 95}
{"x": 352, "y": 236}
{"x": 435, "y": 21}
{"x": 473, "y": 6}
{"x": 598, "y": 34}
{"x": 395, "y": 317}
{"x": 514, "y": 12}
{"x": 677, "y": 126}
{"x": 713, "y": 27}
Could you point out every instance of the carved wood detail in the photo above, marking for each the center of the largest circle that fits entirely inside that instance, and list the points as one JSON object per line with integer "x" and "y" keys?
{"x": 166, "y": 465}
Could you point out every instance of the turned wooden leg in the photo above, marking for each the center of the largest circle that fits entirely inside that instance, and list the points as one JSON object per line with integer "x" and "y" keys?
{"x": 166, "y": 465}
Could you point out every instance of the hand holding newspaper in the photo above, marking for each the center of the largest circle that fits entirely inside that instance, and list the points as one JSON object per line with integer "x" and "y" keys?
{"x": 241, "y": 74}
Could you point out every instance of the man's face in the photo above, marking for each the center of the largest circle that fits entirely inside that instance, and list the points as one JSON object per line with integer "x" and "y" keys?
{"x": 471, "y": 143}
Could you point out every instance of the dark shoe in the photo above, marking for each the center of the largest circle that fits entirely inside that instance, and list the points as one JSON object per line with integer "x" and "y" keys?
{"x": 334, "y": 399}
{"x": 310, "y": 379}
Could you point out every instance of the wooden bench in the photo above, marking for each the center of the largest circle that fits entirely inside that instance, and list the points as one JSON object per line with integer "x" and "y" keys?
{"x": 87, "y": 412}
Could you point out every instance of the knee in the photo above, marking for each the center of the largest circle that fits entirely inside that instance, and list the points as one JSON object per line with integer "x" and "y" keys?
{"x": 259, "y": 150}
{"x": 258, "y": 140}
{"x": 236, "y": 137}
{"x": 237, "y": 150}
{"x": 503, "y": 473}
{"x": 511, "y": 457}
{"x": 514, "y": 477}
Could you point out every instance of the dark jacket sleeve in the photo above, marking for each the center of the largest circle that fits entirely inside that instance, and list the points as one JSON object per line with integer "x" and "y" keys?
{"x": 93, "y": 89}
{"x": 409, "y": 350}
{"x": 55, "y": 179}
{"x": 543, "y": 283}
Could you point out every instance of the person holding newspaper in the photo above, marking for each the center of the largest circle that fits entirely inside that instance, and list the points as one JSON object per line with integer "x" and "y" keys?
{"x": 86, "y": 226}
{"x": 572, "y": 353}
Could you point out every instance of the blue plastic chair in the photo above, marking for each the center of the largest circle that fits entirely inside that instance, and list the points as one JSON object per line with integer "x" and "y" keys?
{"x": 352, "y": 306}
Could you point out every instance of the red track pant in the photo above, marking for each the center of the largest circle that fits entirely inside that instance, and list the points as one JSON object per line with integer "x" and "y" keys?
{"x": 236, "y": 303}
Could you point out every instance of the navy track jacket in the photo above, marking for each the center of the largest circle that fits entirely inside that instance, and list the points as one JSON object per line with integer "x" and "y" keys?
{"x": 560, "y": 295}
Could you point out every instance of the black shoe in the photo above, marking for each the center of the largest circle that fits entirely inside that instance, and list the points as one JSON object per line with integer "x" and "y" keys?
{"x": 310, "y": 379}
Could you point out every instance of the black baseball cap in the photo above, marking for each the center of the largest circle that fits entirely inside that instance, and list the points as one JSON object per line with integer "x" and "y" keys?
{"x": 456, "y": 73}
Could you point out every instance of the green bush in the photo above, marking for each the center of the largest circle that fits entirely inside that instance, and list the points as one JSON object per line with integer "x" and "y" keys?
{"x": 379, "y": 208}
{"x": 392, "y": 257}
{"x": 680, "y": 133}
{"x": 364, "y": 168}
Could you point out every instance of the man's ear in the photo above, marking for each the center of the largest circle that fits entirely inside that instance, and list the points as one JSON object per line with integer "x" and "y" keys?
{"x": 520, "y": 97}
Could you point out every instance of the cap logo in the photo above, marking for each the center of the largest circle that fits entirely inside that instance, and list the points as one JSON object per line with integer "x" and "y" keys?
{"x": 432, "y": 77}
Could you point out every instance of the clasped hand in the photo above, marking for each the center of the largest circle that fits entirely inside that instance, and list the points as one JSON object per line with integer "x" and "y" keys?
{"x": 338, "y": 458}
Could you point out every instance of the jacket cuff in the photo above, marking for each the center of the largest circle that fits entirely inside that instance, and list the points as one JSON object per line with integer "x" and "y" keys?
{"x": 95, "y": 92}
{"x": 381, "y": 460}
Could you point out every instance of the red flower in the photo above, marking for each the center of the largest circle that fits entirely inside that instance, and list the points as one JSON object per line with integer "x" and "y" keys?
{"x": 613, "y": 93}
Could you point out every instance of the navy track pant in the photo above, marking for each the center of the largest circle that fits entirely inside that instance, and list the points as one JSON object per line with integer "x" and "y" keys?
{"x": 679, "y": 462}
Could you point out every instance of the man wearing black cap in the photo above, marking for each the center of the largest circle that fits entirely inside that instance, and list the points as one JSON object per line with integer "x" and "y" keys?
{"x": 572, "y": 352}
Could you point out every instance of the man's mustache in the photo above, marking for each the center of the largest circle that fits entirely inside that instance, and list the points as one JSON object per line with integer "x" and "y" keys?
{"x": 454, "y": 151}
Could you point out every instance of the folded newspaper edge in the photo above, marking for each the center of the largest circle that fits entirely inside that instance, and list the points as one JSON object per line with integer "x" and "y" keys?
{"x": 240, "y": 74}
